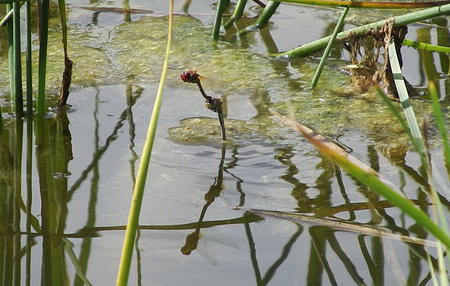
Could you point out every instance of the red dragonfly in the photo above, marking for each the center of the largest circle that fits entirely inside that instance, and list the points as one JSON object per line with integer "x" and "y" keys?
{"x": 213, "y": 104}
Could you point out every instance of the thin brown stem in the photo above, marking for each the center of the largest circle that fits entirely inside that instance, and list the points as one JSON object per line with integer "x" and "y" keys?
{"x": 207, "y": 97}
{"x": 260, "y": 3}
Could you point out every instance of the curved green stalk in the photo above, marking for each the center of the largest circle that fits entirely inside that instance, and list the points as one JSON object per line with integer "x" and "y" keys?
{"x": 404, "y": 98}
{"x": 9, "y": 7}
{"x": 218, "y": 20}
{"x": 263, "y": 19}
{"x": 237, "y": 14}
{"x": 328, "y": 48}
{"x": 43, "y": 41}
{"x": 371, "y": 180}
{"x": 401, "y": 20}
{"x": 63, "y": 15}
{"x": 136, "y": 202}
{"x": 18, "y": 100}
{"x": 425, "y": 46}
{"x": 440, "y": 123}
{"x": 29, "y": 71}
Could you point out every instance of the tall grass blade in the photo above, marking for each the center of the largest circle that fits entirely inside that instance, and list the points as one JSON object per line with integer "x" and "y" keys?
{"x": 328, "y": 48}
{"x": 18, "y": 99}
{"x": 371, "y": 179}
{"x": 136, "y": 202}
{"x": 12, "y": 78}
{"x": 398, "y": 116}
{"x": 440, "y": 123}
{"x": 218, "y": 20}
{"x": 404, "y": 98}
{"x": 43, "y": 42}
{"x": 29, "y": 70}
{"x": 437, "y": 210}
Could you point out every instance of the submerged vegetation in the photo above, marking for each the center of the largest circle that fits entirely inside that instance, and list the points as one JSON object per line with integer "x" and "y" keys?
{"x": 357, "y": 90}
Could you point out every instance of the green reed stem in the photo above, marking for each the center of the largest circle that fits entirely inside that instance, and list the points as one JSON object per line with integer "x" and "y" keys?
{"x": 440, "y": 124}
{"x": 237, "y": 14}
{"x": 12, "y": 78}
{"x": 371, "y": 179}
{"x": 404, "y": 98}
{"x": 136, "y": 202}
{"x": 401, "y": 20}
{"x": 425, "y": 46}
{"x": 263, "y": 19}
{"x": 328, "y": 48}
{"x": 218, "y": 20}
{"x": 18, "y": 99}
{"x": 43, "y": 41}
{"x": 63, "y": 15}
{"x": 29, "y": 70}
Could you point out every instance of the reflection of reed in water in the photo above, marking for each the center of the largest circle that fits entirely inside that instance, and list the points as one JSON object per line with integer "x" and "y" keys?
{"x": 53, "y": 153}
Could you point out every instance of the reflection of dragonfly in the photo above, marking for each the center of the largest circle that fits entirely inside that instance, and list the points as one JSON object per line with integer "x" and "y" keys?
{"x": 210, "y": 196}
{"x": 210, "y": 239}
{"x": 213, "y": 104}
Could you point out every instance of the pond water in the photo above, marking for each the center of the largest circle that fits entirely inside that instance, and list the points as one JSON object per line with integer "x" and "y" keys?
{"x": 66, "y": 181}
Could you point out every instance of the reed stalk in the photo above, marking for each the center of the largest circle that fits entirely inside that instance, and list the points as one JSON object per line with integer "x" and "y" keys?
{"x": 328, "y": 48}
{"x": 10, "y": 28}
{"x": 43, "y": 42}
{"x": 263, "y": 19}
{"x": 401, "y": 20}
{"x": 425, "y": 46}
{"x": 136, "y": 202}
{"x": 404, "y": 99}
{"x": 237, "y": 14}
{"x": 440, "y": 123}
{"x": 29, "y": 70}
{"x": 18, "y": 99}
{"x": 218, "y": 19}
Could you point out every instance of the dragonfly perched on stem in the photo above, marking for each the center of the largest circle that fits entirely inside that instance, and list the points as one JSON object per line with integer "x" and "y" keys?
{"x": 214, "y": 104}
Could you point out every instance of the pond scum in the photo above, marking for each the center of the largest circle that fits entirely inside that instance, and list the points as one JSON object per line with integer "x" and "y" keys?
{"x": 376, "y": 62}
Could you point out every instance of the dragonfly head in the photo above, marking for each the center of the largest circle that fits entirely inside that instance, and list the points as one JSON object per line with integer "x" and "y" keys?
{"x": 190, "y": 76}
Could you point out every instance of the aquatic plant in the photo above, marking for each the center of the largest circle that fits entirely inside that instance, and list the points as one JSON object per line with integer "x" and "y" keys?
{"x": 138, "y": 191}
{"x": 12, "y": 20}
{"x": 437, "y": 8}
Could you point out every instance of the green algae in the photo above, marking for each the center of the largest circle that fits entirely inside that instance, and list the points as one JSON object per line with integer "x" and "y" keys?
{"x": 206, "y": 129}
{"x": 234, "y": 70}
{"x": 134, "y": 51}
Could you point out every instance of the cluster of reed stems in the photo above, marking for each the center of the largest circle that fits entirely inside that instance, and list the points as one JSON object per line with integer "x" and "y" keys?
{"x": 12, "y": 20}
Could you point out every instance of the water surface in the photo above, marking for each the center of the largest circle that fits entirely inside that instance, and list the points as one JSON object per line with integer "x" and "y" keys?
{"x": 74, "y": 171}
